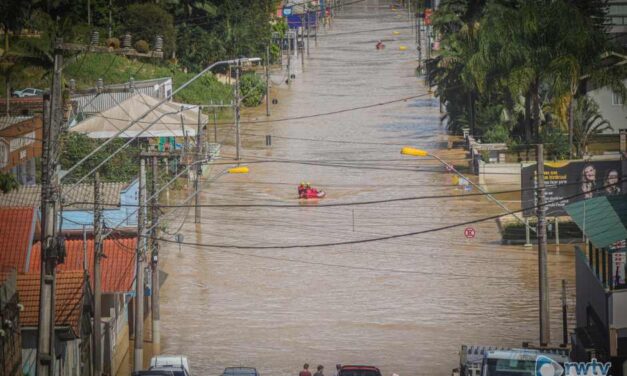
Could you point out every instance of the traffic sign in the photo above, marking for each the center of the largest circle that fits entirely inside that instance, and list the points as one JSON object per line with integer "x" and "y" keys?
{"x": 469, "y": 232}
{"x": 287, "y": 11}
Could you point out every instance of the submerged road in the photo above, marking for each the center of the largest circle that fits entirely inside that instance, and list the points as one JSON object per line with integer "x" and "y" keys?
{"x": 406, "y": 304}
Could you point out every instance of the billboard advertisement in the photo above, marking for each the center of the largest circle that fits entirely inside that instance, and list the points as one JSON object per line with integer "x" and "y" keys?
{"x": 563, "y": 180}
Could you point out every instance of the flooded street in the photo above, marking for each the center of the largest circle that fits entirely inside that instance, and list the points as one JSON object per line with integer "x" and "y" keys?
{"x": 404, "y": 304}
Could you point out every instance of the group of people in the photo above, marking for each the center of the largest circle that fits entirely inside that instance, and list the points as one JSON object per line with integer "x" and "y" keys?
{"x": 319, "y": 372}
{"x": 305, "y": 190}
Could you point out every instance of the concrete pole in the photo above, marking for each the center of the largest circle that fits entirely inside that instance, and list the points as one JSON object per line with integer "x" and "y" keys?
{"x": 215, "y": 126}
{"x": 154, "y": 299}
{"x": 564, "y": 314}
{"x": 307, "y": 20}
{"x": 97, "y": 276}
{"x": 289, "y": 57}
{"x": 53, "y": 118}
{"x": 139, "y": 273}
{"x": 557, "y": 234}
{"x": 545, "y": 331}
{"x": 237, "y": 112}
{"x": 268, "y": 80}
{"x": 198, "y": 158}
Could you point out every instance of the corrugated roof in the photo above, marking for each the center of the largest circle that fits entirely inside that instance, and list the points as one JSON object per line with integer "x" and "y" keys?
{"x": 117, "y": 267}
{"x": 7, "y": 121}
{"x": 17, "y": 227}
{"x": 166, "y": 120}
{"x": 31, "y": 196}
{"x": 602, "y": 219}
{"x": 68, "y": 303}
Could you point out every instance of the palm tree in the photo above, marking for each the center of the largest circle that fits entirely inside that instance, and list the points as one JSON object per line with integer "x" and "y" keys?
{"x": 587, "y": 122}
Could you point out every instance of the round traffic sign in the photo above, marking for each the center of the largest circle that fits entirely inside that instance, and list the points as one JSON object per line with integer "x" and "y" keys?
{"x": 469, "y": 232}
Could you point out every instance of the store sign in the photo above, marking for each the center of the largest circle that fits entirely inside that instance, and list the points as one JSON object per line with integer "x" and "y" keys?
{"x": 570, "y": 182}
{"x": 22, "y": 141}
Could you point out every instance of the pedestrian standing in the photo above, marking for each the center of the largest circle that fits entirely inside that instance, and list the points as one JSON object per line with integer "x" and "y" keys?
{"x": 337, "y": 370}
{"x": 319, "y": 373}
{"x": 305, "y": 371}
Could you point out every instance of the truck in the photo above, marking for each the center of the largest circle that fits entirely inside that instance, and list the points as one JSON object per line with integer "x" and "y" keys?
{"x": 503, "y": 361}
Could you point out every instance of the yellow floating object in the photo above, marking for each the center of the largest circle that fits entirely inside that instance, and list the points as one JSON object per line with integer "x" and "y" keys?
{"x": 414, "y": 152}
{"x": 238, "y": 170}
{"x": 402, "y": 48}
{"x": 455, "y": 179}
{"x": 396, "y": 32}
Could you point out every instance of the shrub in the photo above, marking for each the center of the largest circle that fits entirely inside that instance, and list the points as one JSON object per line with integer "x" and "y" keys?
{"x": 498, "y": 134}
{"x": 253, "y": 89}
{"x": 142, "y": 46}
{"x": 113, "y": 43}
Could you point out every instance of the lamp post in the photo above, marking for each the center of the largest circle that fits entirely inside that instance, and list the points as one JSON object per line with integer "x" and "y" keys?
{"x": 408, "y": 150}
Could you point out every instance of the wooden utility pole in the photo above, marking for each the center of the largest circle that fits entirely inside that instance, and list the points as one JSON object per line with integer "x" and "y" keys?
{"x": 139, "y": 273}
{"x": 52, "y": 252}
{"x": 545, "y": 329}
{"x": 97, "y": 276}
{"x": 154, "y": 299}
{"x": 199, "y": 157}
{"x": 238, "y": 103}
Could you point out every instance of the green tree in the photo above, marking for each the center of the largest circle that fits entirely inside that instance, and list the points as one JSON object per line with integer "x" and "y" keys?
{"x": 587, "y": 122}
{"x": 144, "y": 21}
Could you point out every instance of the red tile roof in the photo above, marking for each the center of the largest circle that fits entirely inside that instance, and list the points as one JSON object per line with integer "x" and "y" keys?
{"x": 16, "y": 230}
{"x": 117, "y": 267}
{"x": 68, "y": 304}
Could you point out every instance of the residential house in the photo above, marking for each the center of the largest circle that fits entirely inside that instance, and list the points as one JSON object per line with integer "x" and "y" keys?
{"x": 20, "y": 145}
{"x": 601, "y": 267}
{"x": 117, "y": 281}
{"x": 10, "y": 331}
{"x": 77, "y": 216}
{"x": 72, "y": 323}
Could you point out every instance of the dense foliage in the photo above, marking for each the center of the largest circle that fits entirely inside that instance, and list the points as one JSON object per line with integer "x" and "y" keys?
{"x": 253, "y": 89}
{"x": 512, "y": 70}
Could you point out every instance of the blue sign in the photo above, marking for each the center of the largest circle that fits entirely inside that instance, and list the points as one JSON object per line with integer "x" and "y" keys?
{"x": 287, "y": 11}
{"x": 294, "y": 21}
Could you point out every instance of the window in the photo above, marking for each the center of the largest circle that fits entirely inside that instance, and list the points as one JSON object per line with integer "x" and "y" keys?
{"x": 617, "y": 100}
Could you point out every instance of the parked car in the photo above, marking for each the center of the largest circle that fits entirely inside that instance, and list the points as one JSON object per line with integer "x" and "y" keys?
{"x": 153, "y": 373}
{"x": 359, "y": 371}
{"x": 240, "y": 371}
{"x": 28, "y": 92}
{"x": 177, "y": 364}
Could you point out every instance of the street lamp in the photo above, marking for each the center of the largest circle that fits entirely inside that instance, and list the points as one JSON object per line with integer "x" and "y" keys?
{"x": 414, "y": 152}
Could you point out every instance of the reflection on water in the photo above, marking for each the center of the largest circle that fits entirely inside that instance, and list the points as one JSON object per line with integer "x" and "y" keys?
{"x": 405, "y": 304}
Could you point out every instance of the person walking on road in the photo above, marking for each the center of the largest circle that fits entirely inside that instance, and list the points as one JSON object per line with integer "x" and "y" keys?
{"x": 319, "y": 373}
{"x": 305, "y": 371}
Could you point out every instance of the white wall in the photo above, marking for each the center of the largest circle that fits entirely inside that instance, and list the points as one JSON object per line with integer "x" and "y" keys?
{"x": 615, "y": 114}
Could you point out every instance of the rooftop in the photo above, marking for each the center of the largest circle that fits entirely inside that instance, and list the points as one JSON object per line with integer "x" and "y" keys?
{"x": 602, "y": 219}
{"x": 31, "y": 196}
{"x": 117, "y": 267}
{"x": 68, "y": 304}
{"x": 7, "y": 121}
{"x": 17, "y": 228}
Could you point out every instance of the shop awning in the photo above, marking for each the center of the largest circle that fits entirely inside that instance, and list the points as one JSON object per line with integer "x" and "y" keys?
{"x": 603, "y": 220}
{"x": 170, "y": 119}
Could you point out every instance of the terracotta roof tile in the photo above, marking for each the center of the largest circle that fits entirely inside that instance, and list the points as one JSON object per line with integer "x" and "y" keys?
{"x": 117, "y": 268}
{"x": 68, "y": 304}
{"x": 16, "y": 230}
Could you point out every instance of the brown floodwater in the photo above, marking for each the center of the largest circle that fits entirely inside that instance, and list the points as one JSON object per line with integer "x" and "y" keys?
{"x": 404, "y": 304}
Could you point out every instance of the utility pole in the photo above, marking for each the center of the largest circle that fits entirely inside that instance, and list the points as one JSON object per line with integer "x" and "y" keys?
{"x": 237, "y": 111}
{"x": 199, "y": 135}
{"x": 97, "y": 279}
{"x": 52, "y": 246}
{"x": 302, "y": 46}
{"x": 268, "y": 80}
{"x": 289, "y": 57}
{"x": 307, "y": 20}
{"x": 154, "y": 298}
{"x": 545, "y": 331}
{"x": 564, "y": 314}
{"x": 139, "y": 273}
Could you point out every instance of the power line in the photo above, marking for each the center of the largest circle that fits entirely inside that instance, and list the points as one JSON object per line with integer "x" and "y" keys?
{"x": 382, "y": 238}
